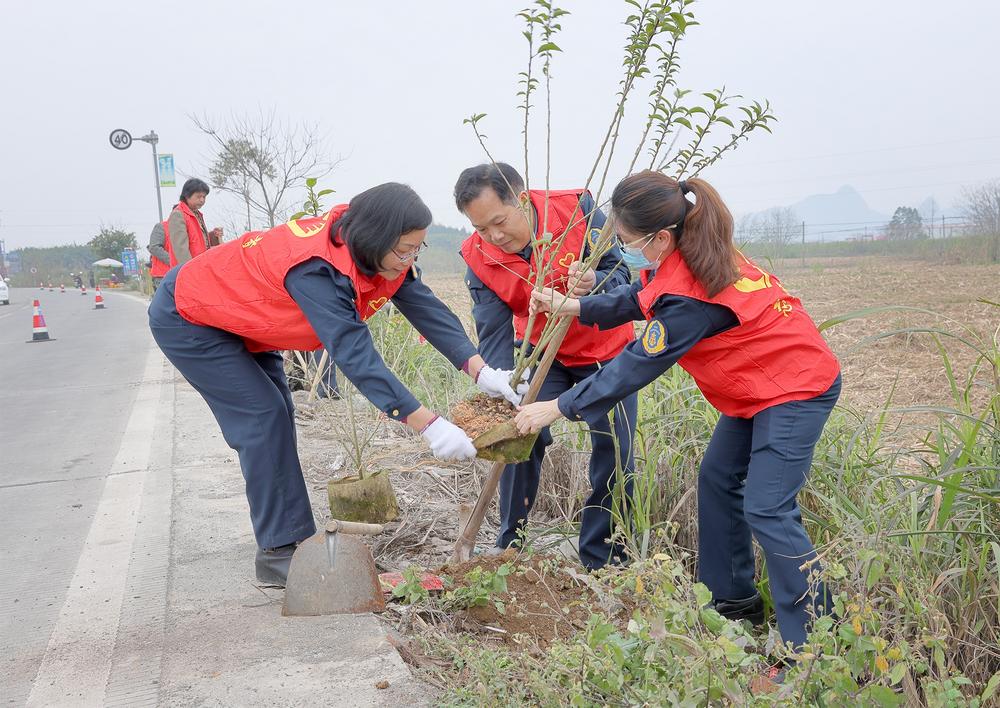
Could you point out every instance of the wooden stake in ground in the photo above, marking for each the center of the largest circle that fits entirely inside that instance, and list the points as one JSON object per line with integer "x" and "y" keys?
{"x": 318, "y": 377}
{"x": 466, "y": 542}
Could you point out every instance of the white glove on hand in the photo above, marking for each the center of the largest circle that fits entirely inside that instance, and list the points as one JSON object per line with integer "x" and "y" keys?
{"x": 447, "y": 441}
{"x": 496, "y": 383}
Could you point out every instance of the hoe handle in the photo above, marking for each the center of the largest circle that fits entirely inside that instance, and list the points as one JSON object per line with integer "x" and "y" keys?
{"x": 467, "y": 537}
{"x": 353, "y": 527}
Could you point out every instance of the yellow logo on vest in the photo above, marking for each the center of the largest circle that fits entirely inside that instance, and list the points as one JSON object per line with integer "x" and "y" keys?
{"x": 783, "y": 306}
{"x": 309, "y": 226}
{"x": 376, "y": 305}
{"x": 654, "y": 339}
{"x": 567, "y": 260}
{"x": 251, "y": 242}
{"x": 747, "y": 285}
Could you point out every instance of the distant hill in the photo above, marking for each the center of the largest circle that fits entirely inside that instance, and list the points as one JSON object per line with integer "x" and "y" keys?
{"x": 845, "y": 213}
{"x": 442, "y": 254}
{"x": 845, "y": 206}
{"x": 828, "y": 217}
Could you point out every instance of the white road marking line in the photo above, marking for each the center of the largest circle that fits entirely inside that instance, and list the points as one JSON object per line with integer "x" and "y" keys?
{"x": 77, "y": 660}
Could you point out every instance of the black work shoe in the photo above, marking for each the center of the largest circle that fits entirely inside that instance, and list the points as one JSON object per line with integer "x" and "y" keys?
{"x": 272, "y": 564}
{"x": 750, "y": 609}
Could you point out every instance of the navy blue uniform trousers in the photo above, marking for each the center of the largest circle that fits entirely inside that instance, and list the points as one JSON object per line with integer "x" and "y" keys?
{"x": 249, "y": 396}
{"x": 519, "y": 482}
{"x": 752, "y": 471}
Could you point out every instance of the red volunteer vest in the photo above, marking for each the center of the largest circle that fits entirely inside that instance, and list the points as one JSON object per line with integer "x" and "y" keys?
{"x": 507, "y": 274}
{"x": 239, "y": 286}
{"x": 197, "y": 246}
{"x": 773, "y": 356}
{"x": 157, "y": 268}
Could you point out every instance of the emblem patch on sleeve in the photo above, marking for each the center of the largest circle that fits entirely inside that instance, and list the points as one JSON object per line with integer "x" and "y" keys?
{"x": 595, "y": 236}
{"x": 654, "y": 339}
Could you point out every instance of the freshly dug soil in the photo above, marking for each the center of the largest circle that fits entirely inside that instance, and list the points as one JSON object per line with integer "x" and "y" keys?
{"x": 480, "y": 413}
{"x": 547, "y": 599}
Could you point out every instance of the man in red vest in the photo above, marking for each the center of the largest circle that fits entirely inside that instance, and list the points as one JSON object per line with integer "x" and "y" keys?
{"x": 502, "y": 263}
{"x": 159, "y": 256}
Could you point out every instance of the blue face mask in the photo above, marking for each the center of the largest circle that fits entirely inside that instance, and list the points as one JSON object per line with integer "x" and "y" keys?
{"x": 633, "y": 256}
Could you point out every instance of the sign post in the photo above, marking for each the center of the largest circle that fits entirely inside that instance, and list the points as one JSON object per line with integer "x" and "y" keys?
{"x": 121, "y": 139}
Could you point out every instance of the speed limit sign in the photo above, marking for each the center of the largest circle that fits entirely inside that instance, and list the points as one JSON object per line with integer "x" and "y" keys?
{"x": 120, "y": 139}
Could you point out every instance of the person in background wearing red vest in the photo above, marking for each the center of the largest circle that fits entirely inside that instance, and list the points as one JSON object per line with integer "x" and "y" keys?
{"x": 499, "y": 256}
{"x": 159, "y": 256}
{"x": 756, "y": 356}
{"x": 186, "y": 232}
{"x": 223, "y": 318}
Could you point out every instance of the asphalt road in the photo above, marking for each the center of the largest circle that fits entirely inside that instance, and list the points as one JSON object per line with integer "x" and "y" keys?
{"x": 64, "y": 406}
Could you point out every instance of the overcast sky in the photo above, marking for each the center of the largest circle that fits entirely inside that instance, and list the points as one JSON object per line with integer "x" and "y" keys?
{"x": 896, "y": 97}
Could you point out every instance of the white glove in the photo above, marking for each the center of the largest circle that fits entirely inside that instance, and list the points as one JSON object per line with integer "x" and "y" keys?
{"x": 496, "y": 383}
{"x": 447, "y": 441}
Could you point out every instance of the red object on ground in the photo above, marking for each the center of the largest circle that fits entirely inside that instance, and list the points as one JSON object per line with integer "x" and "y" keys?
{"x": 98, "y": 300}
{"x": 428, "y": 581}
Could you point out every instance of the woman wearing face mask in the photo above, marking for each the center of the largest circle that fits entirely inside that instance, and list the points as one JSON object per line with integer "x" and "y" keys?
{"x": 756, "y": 356}
{"x": 223, "y": 317}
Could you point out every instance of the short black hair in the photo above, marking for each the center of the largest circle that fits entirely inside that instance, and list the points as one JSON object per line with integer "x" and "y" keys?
{"x": 193, "y": 186}
{"x": 376, "y": 218}
{"x": 501, "y": 178}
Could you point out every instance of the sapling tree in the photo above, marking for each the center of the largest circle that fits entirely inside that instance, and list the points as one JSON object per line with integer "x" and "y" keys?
{"x": 707, "y": 125}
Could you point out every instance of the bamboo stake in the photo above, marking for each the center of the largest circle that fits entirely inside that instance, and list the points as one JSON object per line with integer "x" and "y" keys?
{"x": 319, "y": 375}
{"x": 467, "y": 537}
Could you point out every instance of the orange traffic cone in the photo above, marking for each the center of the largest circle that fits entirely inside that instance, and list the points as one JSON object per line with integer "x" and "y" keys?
{"x": 51, "y": 289}
{"x": 41, "y": 286}
{"x": 83, "y": 289}
{"x": 62, "y": 288}
{"x": 39, "y": 332}
{"x": 98, "y": 300}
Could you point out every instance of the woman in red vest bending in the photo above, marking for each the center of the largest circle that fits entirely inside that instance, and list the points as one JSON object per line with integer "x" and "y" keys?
{"x": 223, "y": 318}
{"x": 756, "y": 356}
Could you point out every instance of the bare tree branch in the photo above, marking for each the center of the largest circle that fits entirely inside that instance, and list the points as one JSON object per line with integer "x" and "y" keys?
{"x": 262, "y": 160}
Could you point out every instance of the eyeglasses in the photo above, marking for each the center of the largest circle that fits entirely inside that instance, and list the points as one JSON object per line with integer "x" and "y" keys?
{"x": 410, "y": 255}
{"x": 645, "y": 239}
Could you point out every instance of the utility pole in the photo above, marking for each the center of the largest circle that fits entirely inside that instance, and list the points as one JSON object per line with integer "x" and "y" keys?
{"x": 803, "y": 244}
{"x": 152, "y": 139}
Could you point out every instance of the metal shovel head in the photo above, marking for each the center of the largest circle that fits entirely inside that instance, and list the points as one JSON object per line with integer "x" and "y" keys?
{"x": 332, "y": 574}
